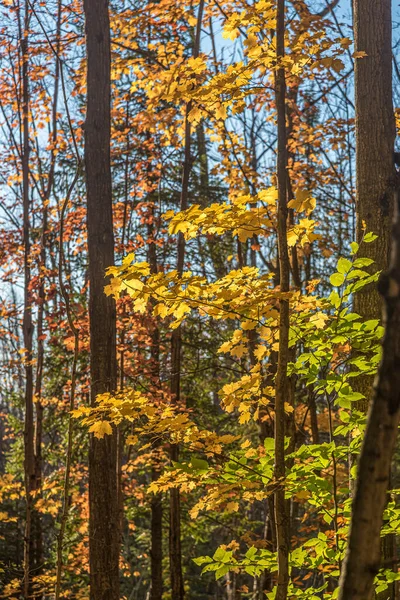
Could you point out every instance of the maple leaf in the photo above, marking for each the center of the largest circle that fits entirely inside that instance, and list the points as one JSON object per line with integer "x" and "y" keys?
{"x": 260, "y": 352}
{"x": 100, "y": 429}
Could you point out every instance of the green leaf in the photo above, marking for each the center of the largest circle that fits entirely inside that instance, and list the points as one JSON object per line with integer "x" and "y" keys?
{"x": 219, "y": 554}
{"x": 269, "y": 443}
{"x": 251, "y": 552}
{"x": 344, "y": 265}
{"x": 221, "y": 571}
{"x": 369, "y": 237}
{"x": 337, "y": 279}
{"x": 363, "y": 262}
{"x": 201, "y": 560}
{"x": 334, "y": 299}
{"x": 198, "y": 464}
{"x": 354, "y": 247}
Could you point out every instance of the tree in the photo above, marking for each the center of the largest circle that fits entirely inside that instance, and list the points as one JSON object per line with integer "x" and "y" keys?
{"x": 103, "y": 493}
{"x": 281, "y": 381}
{"x": 29, "y": 458}
{"x": 375, "y": 133}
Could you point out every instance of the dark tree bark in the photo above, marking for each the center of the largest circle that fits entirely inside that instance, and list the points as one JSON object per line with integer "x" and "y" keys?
{"x": 282, "y": 382}
{"x": 37, "y": 524}
{"x": 175, "y": 550}
{"x": 27, "y": 326}
{"x": 156, "y": 552}
{"x": 103, "y": 493}
{"x": 364, "y": 549}
{"x": 375, "y": 134}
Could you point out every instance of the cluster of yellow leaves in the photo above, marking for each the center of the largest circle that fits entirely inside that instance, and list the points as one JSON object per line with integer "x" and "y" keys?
{"x": 238, "y": 216}
{"x": 302, "y": 233}
{"x": 160, "y": 420}
{"x": 303, "y": 201}
{"x": 222, "y": 489}
{"x": 247, "y": 394}
{"x": 10, "y": 489}
{"x": 242, "y": 294}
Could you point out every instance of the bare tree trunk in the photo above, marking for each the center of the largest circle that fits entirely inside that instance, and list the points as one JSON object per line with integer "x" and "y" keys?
{"x": 75, "y": 333}
{"x": 104, "y": 537}
{"x": 375, "y": 134}
{"x": 156, "y": 553}
{"x": 175, "y": 550}
{"x": 282, "y": 384}
{"x": 29, "y": 458}
{"x": 364, "y": 549}
{"x": 38, "y": 542}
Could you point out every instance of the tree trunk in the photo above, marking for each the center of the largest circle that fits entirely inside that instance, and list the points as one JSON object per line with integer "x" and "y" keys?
{"x": 364, "y": 548}
{"x": 103, "y": 493}
{"x": 38, "y": 541}
{"x": 29, "y": 452}
{"x": 375, "y": 134}
{"x": 175, "y": 550}
{"x": 281, "y": 382}
{"x": 156, "y": 552}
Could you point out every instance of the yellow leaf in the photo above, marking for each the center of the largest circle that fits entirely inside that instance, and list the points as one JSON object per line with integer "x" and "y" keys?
{"x": 288, "y": 408}
{"x": 100, "y": 429}
{"x": 131, "y": 440}
{"x": 269, "y": 196}
{"x": 303, "y": 201}
{"x": 113, "y": 288}
{"x": 220, "y": 112}
{"x": 244, "y": 418}
{"x": 128, "y": 260}
{"x": 135, "y": 284}
{"x": 232, "y": 506}
{"x": 160, "y": 310}
{"x": 225, "y": 347}
{"x": 303, "y": 495}
{"x": 292, "y": 237}
{"x": 260, "y": 351}
{"x": 238, "y": 351}
{"x": 319, "y": 320}
{"x": 181, "y": 310}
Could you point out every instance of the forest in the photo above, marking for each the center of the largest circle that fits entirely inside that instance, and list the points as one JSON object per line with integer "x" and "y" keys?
{"x": 199, "y": 299}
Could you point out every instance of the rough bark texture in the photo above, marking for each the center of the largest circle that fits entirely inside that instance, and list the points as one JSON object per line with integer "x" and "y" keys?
{"x": 375, "y": 133}
{"x": 281, "y": 382}
{"x": 175, "y": 550}
{"x": 364, "y": 549}
{"x": 27, "y": 327}
{"x": 103, "y": 493}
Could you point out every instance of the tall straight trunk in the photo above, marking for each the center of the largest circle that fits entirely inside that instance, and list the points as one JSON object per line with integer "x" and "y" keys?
{"x": 175, "y": 550}
{"x": 375, "y": 134}
{"x": 214, "y": 247}
{"x": 363, "y": 556}
{"x": 104, "y": 527}
{"x": 281, "y": 382}
{"x": 38, "y": 541}
{"x": 29, "y": 451}
{"x": 156, "y": 553}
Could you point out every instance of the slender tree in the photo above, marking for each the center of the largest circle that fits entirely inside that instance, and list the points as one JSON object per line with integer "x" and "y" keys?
{"x": 29, "y": 459}
{"x": 175, "y": 551}
{"x": 282, "y": 383}
{"x": 103, "y": 496}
